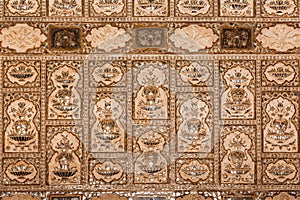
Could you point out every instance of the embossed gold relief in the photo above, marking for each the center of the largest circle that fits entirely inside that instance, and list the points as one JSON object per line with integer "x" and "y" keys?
{"x": 108, "y": 8}
{"x": 22, "y": 7}
{"x": 62, "y": 8}
{"x": 237, "y": 101}
{"x": 280, "y": 37}
{"x": 237, "y": 160}
{"x": 280, "y": 132}
{"x": 151, "y": 98}
{"x": 21, "y": 37}
{"x": 108, "y": 38}
{"x": 280, "y": 8}
{"x": 22, "y": 127}
{"x": 281, "y": 170}
{"x": 283, "y": 196}
{"x": 64, "y": 101}
{"x": 193, "y": 38}
{"x": 235, "y": 8}
{"x": 194, "y": 118}
{"x": 21, "y": 171}
{"x": 108, "y": 130}
{"x": 193, "y": 7}
{"x": 64, "y": 166}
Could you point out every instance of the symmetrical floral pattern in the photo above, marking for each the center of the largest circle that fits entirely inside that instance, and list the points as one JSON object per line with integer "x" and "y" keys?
{"x": 21, "y": 37}
{"x": 193, "y": 38}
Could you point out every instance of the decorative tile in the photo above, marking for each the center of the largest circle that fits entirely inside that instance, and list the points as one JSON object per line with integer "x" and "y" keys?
{"x": 69, "y": 8}
{"x": 23, "y": 8}
{"x": 280, "y": 171}
{"x": 237, "y": 155}
{"x": 150, "y": 37}
{"x": 194, "y": 122}
{"x": 64, "y": 155}
{"x": 21, "y": 122}
{"x": 148, "y": 8}
{"x": 271, "y": 8}
{"x": 151, "y": 90}
{"x": 113, "y": 8}
{"x": 236, "y": 38}
{"x": 65, "y": 38}
{"x": 238, "y": 84}
{"x": 231, "y": 8}
{"x": 280, "y": 73}
{"x": 108, "y": 115}
{"x": 21, "y": 73}
{"x": 280, "y": 121}
{"x": 64, "y": 88}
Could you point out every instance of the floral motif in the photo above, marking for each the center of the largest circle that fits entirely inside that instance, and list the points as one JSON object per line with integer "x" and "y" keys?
{"x": 193, "y": 38}
{"x": 280, "y": 73}
{"x": 108, "y": 7}
{"x": 23, "y": 7}
{"x": 21, "y": 171}
{"x": 280, "y": 37}
{"x": 193, "y": 8}
{"x": 65, "y": 7}
{"x": 279, "y": 7}
{"x": 108, "y": 38}
{"x": 107, "y": 171}
{"x": 283, "y": 196}
{"x": 21, "y": 37}
{"x": 237, "y": 8}
{"x": 22, "y": 74}
{"x": 281, "y": 171}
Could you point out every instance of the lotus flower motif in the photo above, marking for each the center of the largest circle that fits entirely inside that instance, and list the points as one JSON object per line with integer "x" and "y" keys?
{"x": 193, "y": 38}
{"x": 108, "y": 38}
{"x": 280, "y": 37}
{"x": 21, "y": 37}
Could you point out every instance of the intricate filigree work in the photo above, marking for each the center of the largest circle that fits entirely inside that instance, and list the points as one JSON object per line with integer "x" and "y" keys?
{"x": 238, "y": 159}
{"x": 193, "y": 8}
{"x": 64, "y": 101}
{"x": 65, "y": 38}
{"x": 283, "y": 196}
{"x": 22, "y": 125}
{"x": 150, "y": 37}
{"x": 196, "y": 73}
{"x": 108, "y": 38}
{"x": 108, "y": 8}
{"x": 280, "y": 133}
{"x": 151, "y": 98}
{"x": 147, "y": 8}
{"x": 151, "y": 166}
{"x": 107, "y": 171}
{"x": 237, "y": 101}
{"x": 21, "y": 74}
{"x": 195, "y": 171}
{"x": 21, "y": 37}
{"x": 235, "y": 8}
{"x": 280, "y": 37}
{"x": 21, "y": 171}
{"x": 279, "y": 8}
{"x": 281, "y": 171}
{"x": 236, "y": 38}
{"x": 193, "y": 38}
{"x": 280, "y": 73}
{"x": 108, "y": 130}
{"x": 62, "y": 8}
{"x": 22, "y": 7}
{"x": 64, "y": 166}
{"x": 194, "y": 122}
